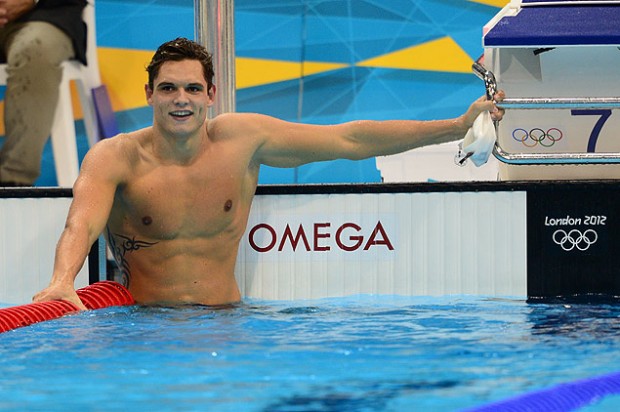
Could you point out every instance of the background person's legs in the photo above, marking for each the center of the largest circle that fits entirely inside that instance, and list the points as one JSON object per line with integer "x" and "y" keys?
{"x": 35, "y": 53}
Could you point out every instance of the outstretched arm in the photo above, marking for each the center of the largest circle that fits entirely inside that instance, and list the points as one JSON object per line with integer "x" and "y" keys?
{"x": 285, "y": 144}
{"x": 93, "y": 194}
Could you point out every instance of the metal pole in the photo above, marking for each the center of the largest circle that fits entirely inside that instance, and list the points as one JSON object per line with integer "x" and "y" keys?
{"x": 555, "y": 158}
{"x": 214, "y": 28}
{"x": 560, "y": 103}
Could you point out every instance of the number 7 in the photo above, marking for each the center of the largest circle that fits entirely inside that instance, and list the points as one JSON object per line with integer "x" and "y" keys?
{"x": 596, "y": 131}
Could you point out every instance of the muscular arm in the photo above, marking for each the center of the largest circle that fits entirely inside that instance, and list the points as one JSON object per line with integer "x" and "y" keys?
{"x": 284, "y": 144}
{"x": 93, "y": 194}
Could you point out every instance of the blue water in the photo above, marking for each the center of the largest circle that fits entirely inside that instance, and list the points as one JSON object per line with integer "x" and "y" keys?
{"x": 364, "y": 353}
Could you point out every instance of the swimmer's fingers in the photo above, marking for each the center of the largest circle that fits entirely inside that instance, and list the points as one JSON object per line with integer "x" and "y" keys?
{"x": 76, "y": 301}
{"x": 497, "y": 113}
{"x": 481, "y": 105}
{"x": 499, "y": 96}
{"x": 52, "y": 293}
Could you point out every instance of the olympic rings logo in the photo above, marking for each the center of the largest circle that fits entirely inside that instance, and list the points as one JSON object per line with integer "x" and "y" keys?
{"x": 537, "y": 135}
{"x": 575, "y": 239}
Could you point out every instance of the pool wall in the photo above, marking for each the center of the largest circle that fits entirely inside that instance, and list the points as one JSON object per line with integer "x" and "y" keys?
{"x": 31, "y": 221}
{"x": 535, "y": 239}
{"x": 364, "y": 240}
{"x": 521, "y": 239}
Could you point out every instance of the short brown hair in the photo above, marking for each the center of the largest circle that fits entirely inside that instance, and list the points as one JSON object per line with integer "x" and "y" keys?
{"x": 177, "y": 50}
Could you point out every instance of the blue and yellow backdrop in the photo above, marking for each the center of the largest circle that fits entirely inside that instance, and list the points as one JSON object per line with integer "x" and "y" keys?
{"x": 314, "y": 61}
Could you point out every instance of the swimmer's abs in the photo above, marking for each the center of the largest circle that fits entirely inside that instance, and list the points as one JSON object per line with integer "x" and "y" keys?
{"x": 212, "y": 292}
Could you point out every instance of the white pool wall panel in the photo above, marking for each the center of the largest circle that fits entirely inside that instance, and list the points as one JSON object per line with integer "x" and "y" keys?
{"x": 424, "y": 243}
{"x": 29, "y": 231}
{"x": 443, "y": 243}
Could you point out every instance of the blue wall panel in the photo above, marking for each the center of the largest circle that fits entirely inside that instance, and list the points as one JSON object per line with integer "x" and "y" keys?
{"x": 327, "y": 31}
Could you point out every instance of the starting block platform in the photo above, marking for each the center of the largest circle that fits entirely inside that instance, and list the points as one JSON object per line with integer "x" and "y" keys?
{"x": 557, "y": 62}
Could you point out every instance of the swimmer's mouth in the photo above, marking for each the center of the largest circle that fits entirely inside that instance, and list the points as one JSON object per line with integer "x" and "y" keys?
{"x": 181, "y": 114}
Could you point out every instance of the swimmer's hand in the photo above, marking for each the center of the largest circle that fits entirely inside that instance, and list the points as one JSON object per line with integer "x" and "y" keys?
{"x": 11, "y": 10}
{"x": 59, "y": 292}
{"x": 483, "y": 104}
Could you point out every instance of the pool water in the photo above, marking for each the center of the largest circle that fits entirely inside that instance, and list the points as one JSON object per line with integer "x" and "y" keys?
{"x": 362, "y": 353}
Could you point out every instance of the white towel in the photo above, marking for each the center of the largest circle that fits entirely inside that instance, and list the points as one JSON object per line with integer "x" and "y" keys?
{"x": 480, "y": 139}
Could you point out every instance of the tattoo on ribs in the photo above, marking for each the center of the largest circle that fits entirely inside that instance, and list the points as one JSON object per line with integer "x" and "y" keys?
{"x": 121, "y": 245}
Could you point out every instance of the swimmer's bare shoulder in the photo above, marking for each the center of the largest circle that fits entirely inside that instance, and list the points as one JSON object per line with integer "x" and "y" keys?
{"x": 113, "y": 158}
{"x": 244, "y": 126}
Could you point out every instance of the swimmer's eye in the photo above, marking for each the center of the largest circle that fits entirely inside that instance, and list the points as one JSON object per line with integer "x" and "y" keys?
{"x": 166, "y": 87}
{"x": 194, "y": 89}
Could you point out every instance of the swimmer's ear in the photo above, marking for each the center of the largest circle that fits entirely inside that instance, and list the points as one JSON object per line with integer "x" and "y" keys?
{"x": 211, "y": 94}
{"x": 149, "y": 94}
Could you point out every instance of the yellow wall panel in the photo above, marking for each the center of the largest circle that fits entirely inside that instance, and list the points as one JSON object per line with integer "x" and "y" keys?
{"x": 443, "y": 55}
{"x": 256, "y": 72}
{"x": 124, "y": 74}
{"x": 495, "y": 3}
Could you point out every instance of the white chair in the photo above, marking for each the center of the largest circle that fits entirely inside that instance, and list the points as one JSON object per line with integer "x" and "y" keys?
{"x": 87, "y": 78}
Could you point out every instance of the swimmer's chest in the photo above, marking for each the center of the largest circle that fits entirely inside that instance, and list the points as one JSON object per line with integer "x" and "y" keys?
{"x": 168, "y": 204}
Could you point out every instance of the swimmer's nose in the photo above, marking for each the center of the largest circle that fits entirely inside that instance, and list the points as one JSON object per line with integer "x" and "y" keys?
{"x": 181, "y": 98}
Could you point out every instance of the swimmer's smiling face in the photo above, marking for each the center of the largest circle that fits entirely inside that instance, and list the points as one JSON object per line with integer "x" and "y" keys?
{"x": 180, "y": 98}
